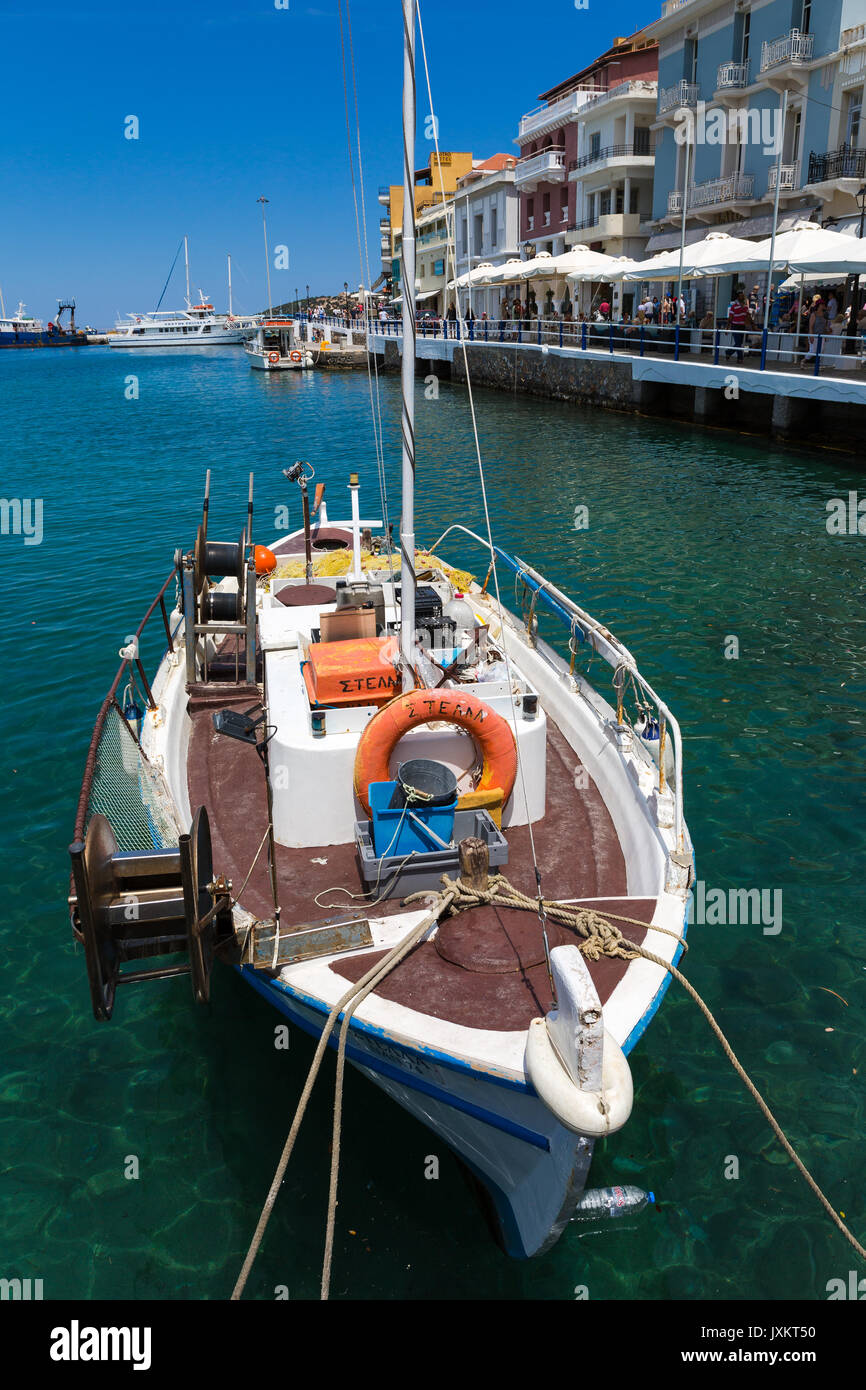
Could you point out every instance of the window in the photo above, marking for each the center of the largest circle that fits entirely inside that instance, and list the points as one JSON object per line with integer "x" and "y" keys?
{"x": 563, "y": 210}
{"x": 691, "y": 61}
{"x": 604, "y": 203}
{"x": 464, "y": 238}
{"x": 620, "y": 206}
{"x": 494, "y": 230}
{"x": 439, "y": 267}
{"x": 594, "y": 144}
{"x": 478, "y": 234}
{"x": 806, "y": 17}
{"x": 545, "y": 203}
{"x": 852, "y": 123}
{"x": 634, "y": 200}
{"x": 641, "y": 139}
{"x": 530, "y": 213}
{"x": 742, "y": 36}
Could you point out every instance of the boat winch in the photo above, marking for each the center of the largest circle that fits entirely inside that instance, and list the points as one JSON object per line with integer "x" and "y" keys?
{"x": 217, "y": 613}
{"x": 132, "y": 904}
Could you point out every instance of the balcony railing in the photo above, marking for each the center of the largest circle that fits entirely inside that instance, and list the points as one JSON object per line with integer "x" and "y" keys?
{"x": 855, "y": 35}
{"x": 792, "y": 47}
{"x": 638, "y": 149}
{"x": 637, "y": 87}
{"x": 732, "y": 75}
{"x": 680, "y": 94}
{"x": 548, "y": 166}
{"x": 844, "y": 163}
{"x": 556, "y": 112}
{"x": 671, "y": 6}
{"x": 790, "y": 178}
{"x": 735, "y": 188}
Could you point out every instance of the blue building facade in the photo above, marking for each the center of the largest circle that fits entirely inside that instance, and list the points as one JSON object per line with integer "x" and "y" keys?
{"x": 724, "y": 67}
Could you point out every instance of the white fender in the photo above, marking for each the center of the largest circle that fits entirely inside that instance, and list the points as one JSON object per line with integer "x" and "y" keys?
{"x": 593, "y": 1113}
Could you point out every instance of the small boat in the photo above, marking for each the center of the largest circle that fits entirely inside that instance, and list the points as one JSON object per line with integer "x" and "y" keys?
{"x": 363, "y": 782}
{"x": 276, "y": 345}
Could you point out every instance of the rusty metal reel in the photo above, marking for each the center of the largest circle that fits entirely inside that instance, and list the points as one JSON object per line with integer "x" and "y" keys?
{"x": 205, "y": 928}
{"x": 96, "y": 888}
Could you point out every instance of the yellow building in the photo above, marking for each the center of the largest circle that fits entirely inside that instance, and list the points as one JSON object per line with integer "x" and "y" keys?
{"x": 434, "y": 184}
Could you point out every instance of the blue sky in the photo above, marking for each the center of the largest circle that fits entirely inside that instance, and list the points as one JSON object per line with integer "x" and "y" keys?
{"x": 235, "y": 100}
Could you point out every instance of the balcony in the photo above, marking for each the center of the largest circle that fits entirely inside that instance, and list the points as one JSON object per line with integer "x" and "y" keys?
{"x": 545, "y": 118}
{"x": 791, "y": 49}
{"x": 844, "y": 163}
{"x": 731, "y": 76}
{"x": 636, "y": 88}
{"x": 680, "y": 94}
{"x": 384, "y": 193}
{"x": 607, "y": 226}
{"x": 736, "y": 188}
{"x": 546, "y": 167}
{"x": 789, "y": 181}
{"x": 671, "y": 6}
{"x": 639, "y": 150}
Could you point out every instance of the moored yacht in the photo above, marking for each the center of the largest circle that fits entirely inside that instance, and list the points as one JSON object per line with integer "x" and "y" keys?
{"x": 196, "y": 326}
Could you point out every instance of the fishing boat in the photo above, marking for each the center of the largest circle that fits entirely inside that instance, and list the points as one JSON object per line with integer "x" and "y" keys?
{"x": 23, "y": 330}
{"x": 423, "y": 832}
{"x": 277, "y": 345}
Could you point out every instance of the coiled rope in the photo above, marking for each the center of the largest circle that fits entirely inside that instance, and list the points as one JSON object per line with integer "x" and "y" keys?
{"x": 600, "y": 937}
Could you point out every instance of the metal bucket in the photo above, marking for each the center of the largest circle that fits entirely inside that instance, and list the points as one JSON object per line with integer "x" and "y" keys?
{"x": 427, "y": 783}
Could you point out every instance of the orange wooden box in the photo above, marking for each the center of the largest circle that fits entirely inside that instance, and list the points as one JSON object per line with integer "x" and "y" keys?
{"x": 354, "y": 672}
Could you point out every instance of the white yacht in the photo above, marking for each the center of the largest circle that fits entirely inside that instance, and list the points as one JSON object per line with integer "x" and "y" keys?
{"x": 198, "y": 325}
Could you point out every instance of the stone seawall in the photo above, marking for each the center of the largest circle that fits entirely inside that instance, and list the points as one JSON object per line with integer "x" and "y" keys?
{"x": 721, "y": 397}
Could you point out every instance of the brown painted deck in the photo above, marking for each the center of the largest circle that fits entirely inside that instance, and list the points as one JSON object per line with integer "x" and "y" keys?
{"x": 494, "y": 975}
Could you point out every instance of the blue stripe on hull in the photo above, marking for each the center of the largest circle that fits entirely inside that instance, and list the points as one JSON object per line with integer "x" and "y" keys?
{"x": 277, "y": 996}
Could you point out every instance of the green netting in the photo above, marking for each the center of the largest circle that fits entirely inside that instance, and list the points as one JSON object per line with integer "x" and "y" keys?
{"x": 130, "y": 793}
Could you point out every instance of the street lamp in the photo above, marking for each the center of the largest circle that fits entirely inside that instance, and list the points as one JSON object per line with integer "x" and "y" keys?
{"x": 308, "y": 299}
{"x": 529, "y": 250}
{"x": 346, "y": 295}
{"x": 855, "y": 290}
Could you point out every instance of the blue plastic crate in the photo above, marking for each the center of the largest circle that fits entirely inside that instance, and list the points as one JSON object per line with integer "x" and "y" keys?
{"x": 399, "y": 829}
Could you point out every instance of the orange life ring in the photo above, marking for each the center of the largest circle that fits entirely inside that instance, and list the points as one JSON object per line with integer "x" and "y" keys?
{"x": 295, "y": 355}
{"x": 492, "y": 734}
{"x": 273, "y": 357}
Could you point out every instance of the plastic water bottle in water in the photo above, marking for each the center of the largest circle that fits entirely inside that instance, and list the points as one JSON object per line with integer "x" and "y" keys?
{"x": 599, "y": 1202}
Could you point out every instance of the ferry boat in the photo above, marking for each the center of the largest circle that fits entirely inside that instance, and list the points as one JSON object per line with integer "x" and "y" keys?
{"x": 22, "y": 330}
{"x": 196, "y": 326}
{"x": 277, "y": 345}
{"x": 422, "y": 833}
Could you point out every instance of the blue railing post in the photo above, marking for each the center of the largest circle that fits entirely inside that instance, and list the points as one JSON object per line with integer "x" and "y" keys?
{"x": 520, "y": 330}
{"x": 642, "y": 338}
{"x": 457, "y": 326}
{"x": 818, "y": 355}
{"x": 677, "y": 343}
{"x": 560, "y": 332}
{"x": 502, "y": 330}
{"x": 610, "y": 337}
{"x": 539, "y": 330}
{"x": 486, "y": 323}
{"x": 583, "y": 336}
{"x": 717, "y": 341}
{"x": 764, "y": 336}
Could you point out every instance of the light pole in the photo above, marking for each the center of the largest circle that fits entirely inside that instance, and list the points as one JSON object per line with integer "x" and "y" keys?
{"x": 855, "y": 291}
{"x": 346, "y": 297}
{"x": 297, "y": 301}
{"x": 308, "y": 299}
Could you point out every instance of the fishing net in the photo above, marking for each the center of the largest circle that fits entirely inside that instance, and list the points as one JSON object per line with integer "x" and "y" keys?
{"x": 129, "y": 791}
{"x": 333, "y": 563}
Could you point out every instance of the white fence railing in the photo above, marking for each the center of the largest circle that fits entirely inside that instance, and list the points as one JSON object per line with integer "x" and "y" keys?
{"x": 549, "y": 166}
{"x": 680, "y": 94}
{"x": 792, "y": 47}
{"x": 732, "y": 75}
{"x": 790, "y": 177}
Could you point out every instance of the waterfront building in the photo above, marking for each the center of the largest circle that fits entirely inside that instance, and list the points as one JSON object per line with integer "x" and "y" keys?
{"x": 586, "y": 162}
{"x": 724, "y": 69}
{"x": 487, "y": 216}
{"x": 434, "y": 184}
{"x": 434, "y": 265}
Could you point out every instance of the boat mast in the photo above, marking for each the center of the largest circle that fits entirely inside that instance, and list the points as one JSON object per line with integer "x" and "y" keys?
{"x": 186, "y": 262}
{"x": 230, "y": 285}
{"x": 264, "y": 200}
{"x": 407, "y": 374}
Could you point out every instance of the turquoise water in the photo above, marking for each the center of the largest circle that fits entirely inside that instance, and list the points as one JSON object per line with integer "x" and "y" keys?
{"x": 693, "y": 537}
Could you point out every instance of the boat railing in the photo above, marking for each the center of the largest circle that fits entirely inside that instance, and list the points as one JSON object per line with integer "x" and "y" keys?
{"x": 583, "y": 627}
{"x": 119, "y": 779}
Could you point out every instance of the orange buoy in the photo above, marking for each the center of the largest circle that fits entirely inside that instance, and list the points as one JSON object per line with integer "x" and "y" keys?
{"x": 492, "y": 734}
{"x": 266, "y": 560}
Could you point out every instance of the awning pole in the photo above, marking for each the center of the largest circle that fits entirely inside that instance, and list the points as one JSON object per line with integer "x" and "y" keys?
{"x": 781, "y": 140}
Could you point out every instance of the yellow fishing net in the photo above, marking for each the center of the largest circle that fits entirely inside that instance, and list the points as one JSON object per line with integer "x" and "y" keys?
{"x": 333, "y": 563}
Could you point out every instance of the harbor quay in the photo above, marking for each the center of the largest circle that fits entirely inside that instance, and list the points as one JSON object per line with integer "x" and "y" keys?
{"x": 703, "y": 386}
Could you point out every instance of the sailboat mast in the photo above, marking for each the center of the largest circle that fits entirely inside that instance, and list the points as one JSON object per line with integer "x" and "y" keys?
{"x": 230, "y": 285}
{"x": 263, "y": 200}
{"x": 186, "y": 263}
{"x": 407, "y": 374}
